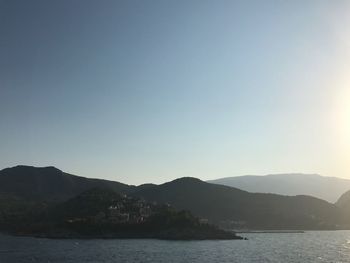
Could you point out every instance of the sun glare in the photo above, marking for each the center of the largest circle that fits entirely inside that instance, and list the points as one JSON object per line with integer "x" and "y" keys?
{"x": 341, "y": 115}
{"x": 344, "y": 114}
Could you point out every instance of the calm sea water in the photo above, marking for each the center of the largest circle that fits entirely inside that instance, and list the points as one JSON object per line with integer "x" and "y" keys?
{"x": 325, "y": 246}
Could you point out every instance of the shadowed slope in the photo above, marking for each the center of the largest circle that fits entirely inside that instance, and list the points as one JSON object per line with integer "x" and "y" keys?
{"x": 222, "y": 203}
{"x": 50, "y": 183}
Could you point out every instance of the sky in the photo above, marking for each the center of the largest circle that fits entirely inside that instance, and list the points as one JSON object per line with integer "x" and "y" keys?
{"x": 149, "y": 91}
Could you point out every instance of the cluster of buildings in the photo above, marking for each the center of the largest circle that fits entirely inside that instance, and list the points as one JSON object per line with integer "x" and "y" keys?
{"x": 129, "y": 210}
{"x": 125, "y": 210}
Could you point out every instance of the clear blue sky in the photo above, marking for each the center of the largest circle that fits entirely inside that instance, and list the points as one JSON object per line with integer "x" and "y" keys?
{"x": 148, "y": 91}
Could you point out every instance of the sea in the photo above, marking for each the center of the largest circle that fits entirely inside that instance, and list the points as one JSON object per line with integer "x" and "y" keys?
{"x": 310, "y": 246}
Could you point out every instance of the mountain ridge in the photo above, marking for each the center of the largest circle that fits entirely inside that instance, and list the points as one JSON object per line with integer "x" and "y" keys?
{"x": 50, "y": 183}
{"x": 323, "y": 187}
{"x": 223, "y": 205}
{"x": 241, "y": 209}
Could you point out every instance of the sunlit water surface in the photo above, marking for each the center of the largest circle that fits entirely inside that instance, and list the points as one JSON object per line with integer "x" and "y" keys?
{"x": 325, "y": 246}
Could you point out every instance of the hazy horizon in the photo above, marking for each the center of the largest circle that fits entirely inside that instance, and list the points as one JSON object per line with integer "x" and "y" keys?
{"x": 211, "y": 178}
{"x": 149, "y": 91}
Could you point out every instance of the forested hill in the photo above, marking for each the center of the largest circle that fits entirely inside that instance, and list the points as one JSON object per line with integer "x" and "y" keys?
{"x": 50, "y": 183}
{"x": 23, "y": 187}
{"x": 240, "y": 209}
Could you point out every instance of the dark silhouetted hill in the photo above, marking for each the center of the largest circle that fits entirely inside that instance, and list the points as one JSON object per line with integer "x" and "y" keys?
{"x": 240, "y": 209}
{"x": 50, "y": 183}
{"x": 103, "y": 213}
{"x": 344, "y": 201}
{"x": 87, "y": 203}
{"x": 24, "y": 186}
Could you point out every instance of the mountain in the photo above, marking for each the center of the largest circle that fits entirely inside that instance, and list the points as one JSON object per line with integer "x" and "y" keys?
{"x": 344, "y": 201}
{"x": 33, "y": 188}
{"x": 87, "y": 203}
{"x": 326, "y": 188}
{"x": 236, "y": 208}
{"x": 103, "y": 213}
{"x": 50, "y": 184}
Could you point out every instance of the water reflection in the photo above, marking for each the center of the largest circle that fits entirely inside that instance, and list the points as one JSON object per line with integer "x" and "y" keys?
{"x": 324, "y": 246}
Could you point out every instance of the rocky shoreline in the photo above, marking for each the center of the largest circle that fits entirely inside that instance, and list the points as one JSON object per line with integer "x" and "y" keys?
{"x": 209, "y": 233}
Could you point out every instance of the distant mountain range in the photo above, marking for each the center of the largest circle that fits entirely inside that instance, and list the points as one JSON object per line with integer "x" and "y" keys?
{"x": 326, "y": 188}
{"x": 223, "y": 205}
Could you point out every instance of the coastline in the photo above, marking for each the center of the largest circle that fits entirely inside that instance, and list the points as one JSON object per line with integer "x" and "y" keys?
{"x": 271, "y": 231}
{"x": 158, "y": 236}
